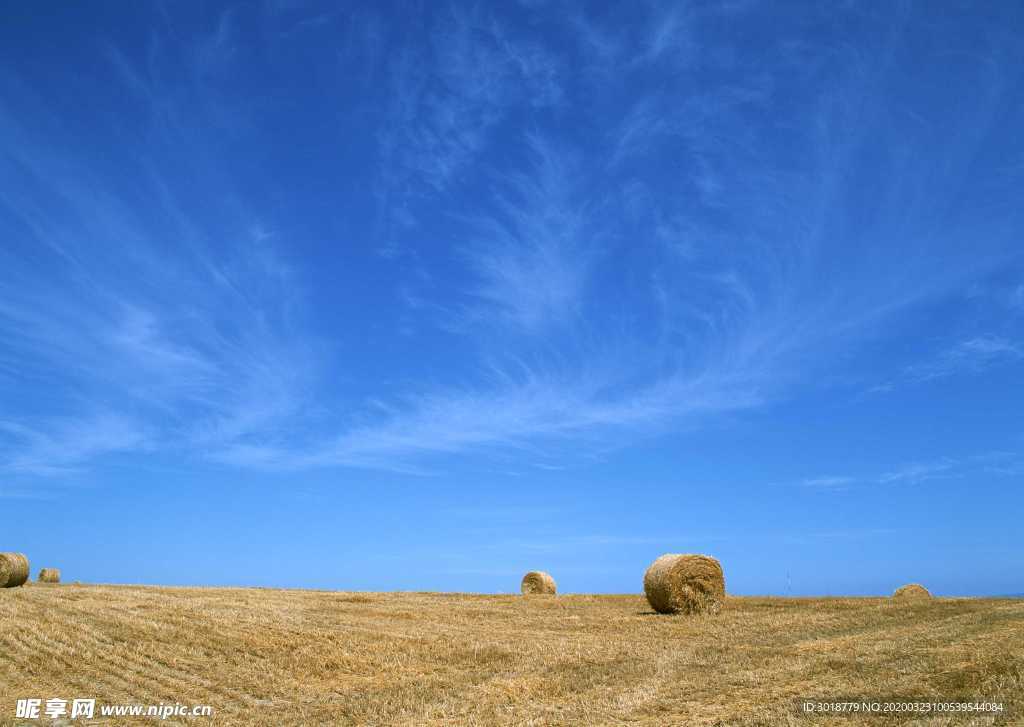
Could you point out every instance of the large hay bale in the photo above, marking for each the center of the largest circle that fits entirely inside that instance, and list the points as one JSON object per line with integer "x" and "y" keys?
{"x": 49, "y": 575}
{"x": 13, "y": 570}
{"x": 911, "y": 592}
{"x": 685, "y": 583}
{"x": 537, "y": 582}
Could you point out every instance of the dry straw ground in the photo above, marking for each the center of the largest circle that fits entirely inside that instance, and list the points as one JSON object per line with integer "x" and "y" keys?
{"x": 269, "y": 657}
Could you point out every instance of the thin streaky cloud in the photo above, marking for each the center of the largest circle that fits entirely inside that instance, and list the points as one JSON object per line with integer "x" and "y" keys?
{"x": 668, "y": 39}
{"x": 187, "y": 345}
{"x": 533, "y": 255}
{"x": 63, "y": 446}
{"x": 1001, "y": 463}
{"x": 973, "y": 355}
{"x": 829, "y": 481}
{"x": 538, "y": 408}
{"x": 917, "y": 472}
{"x": 1017, "y": 297}
{"x": 579, "y": 263}
{"x": 438, "y": 124}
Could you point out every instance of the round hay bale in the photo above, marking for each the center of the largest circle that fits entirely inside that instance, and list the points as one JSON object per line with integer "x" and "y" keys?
{"x": 13, "y": 570}
{"x": 538, "y": 583}
{"x": 49, "y": 575}
{"x": 685, "y": 583}
{"x": 911, "y": 592}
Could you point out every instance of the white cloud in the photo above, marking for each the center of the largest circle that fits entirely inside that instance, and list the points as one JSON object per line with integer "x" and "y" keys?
{"x": 969, "y": 356}
{"x": 539, "y": 409}
{"x": 62, "y": 445}
{"x": 829, "y": 481}
{"x": 995, "y": 463}
{"x": 441, "y": 120}
{"x": 133, "y": 330}
{"x": 917, "y": 472}
{"x": 669, "y": 38}
{"x": 533, "y": 256}
{"x": 731, "y": 278}
{"x": 1017, "y": 297}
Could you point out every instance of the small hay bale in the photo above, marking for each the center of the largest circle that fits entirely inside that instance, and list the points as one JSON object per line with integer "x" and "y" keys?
{"x": 911, "y": 592}
{"x": 538, "y": 583}
{"x": 49, "y": 575}
{"x": 685, "y": 583}
{"x": 13, "y": 570}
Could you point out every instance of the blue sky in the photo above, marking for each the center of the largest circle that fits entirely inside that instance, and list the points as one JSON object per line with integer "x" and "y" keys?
{"x": 424, "y": 295}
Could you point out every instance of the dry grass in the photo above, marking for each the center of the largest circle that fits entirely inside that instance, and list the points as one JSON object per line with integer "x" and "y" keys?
{"x": 267, "y": 657}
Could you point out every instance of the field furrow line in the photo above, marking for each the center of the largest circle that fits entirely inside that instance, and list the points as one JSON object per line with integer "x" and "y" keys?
{"x": 149, "y": 668}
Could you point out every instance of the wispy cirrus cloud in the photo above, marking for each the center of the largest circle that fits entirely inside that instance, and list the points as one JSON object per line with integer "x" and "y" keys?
{"x": 139, "y": 327}
{"x": 1016, "y": 298}
{"x": 691, "y": 231}
{"x": 998, "y": 463}
{"x": 969, "y": 357}
{"x": 755, "y": 267}
{"x": 915, "y": 473}
{"x": 643, "y": 127}
{"x": 518, "y": 411}
{"x": 668, "y": 37}
{"x": 829, "y": 481}
{"x": 972, "y": 355}
{"x": 440, "y": 121}
{"x": 62, "y": 445}
{"x": 533, "y": 256}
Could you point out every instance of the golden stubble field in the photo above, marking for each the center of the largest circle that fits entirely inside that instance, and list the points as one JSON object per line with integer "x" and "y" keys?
{"x": 277, "y": 657}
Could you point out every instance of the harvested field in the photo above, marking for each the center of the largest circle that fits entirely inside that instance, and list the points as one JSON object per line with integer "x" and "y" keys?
{"x": 273, "y": 657}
